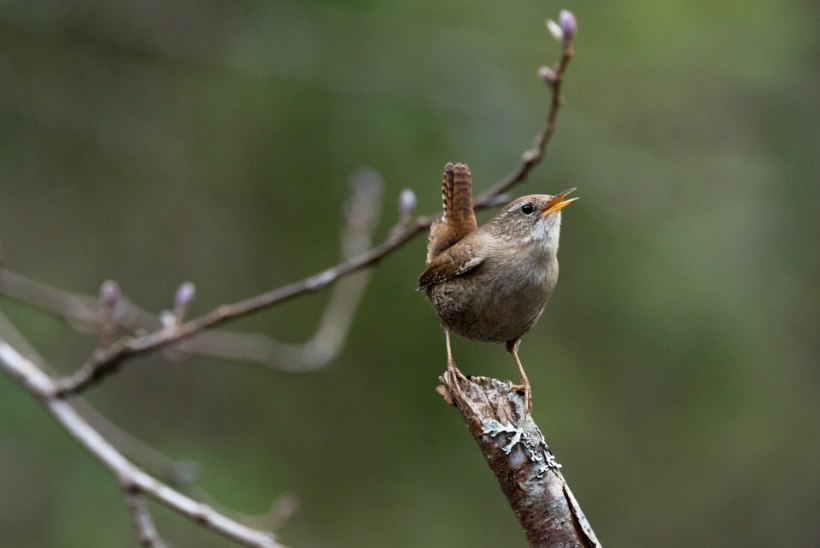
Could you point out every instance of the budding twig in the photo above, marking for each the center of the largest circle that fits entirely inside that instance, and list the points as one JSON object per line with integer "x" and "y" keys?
{"x": 554, "y": 77}
{"x": 107, "y": 360}
{"x": 147, "y": 534}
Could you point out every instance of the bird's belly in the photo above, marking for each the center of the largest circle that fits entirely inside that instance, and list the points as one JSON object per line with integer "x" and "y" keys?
{"x": 489, "y": 310}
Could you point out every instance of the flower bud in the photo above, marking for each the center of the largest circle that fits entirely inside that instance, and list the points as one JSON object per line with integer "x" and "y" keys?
{"x": 555, "y": 30}
{"x": 548, "y": 75}
{"x": 407, "y": 203}
{"x": 568, "y": 24}
{"x": 110, "y": 294}
{"x": 185, "y": 294}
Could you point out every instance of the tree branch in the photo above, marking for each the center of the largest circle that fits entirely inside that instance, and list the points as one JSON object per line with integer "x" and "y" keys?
{"x": 521, "y": 460}
{"x": 147, "y": 534}
{"x": 132, "y": 480}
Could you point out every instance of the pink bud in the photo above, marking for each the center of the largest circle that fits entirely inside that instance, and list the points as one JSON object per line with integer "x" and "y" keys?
{"x": 568, "y": 24}
{"x": 185, "y": 294}
{"x": 110, "y": 294}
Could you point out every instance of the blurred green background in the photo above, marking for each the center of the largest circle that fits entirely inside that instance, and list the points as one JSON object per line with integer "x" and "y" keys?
{"x": 675, "y": 370}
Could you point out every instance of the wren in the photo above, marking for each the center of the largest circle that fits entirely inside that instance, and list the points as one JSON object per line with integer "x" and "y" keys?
{"x": 492, "y": 283}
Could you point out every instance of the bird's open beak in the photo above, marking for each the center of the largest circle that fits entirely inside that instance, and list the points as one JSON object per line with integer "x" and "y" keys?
{"x": 557, "y": 203}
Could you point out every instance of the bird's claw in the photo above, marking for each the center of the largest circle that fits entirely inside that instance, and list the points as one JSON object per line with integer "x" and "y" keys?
{"x": 525, "y": 388}
{"x": 451, "y": 367}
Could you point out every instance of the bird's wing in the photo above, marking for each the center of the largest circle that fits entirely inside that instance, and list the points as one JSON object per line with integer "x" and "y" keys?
{"x": 452, "y": 262}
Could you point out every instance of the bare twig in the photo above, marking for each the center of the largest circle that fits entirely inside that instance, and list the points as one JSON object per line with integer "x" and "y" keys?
{"x": 81, "y": 311}
{"x": 178, "y": 473}
{"x": 147, "y": 534}
{"x": 362, "y": 215}
{"x": 521, "y": 460}
{"x": 181, "y": 474}
{"x": 132, "y": 480}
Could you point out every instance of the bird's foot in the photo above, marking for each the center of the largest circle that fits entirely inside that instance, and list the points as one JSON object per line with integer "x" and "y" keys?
{"x": 451, "y": 368}
{"x": 525, "y": 388}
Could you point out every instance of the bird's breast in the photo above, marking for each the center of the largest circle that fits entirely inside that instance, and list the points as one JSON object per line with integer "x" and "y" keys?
{"x": 498, "y": 301}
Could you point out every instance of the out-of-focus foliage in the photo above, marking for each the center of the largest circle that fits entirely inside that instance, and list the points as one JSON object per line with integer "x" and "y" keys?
{"x": 674, "y": 372}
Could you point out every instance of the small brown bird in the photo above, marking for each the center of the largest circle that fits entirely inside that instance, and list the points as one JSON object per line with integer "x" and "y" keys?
{"x": 492, "y": 283}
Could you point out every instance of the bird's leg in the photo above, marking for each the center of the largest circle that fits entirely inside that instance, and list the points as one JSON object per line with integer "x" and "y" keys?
{"x": 451, "y": 363}
{"x": 512, "y": 348}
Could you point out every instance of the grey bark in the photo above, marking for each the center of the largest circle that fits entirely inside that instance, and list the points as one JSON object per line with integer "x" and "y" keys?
{"x": 521, "y": 460}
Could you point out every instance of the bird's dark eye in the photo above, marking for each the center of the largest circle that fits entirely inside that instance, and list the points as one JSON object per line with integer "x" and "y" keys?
{"x": 527, "y": 209}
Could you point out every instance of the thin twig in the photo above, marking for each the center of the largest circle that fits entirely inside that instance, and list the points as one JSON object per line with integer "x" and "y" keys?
{"x": 131, "y": 479}
{"x": 532, "y": 157}
{"x": 105, "y": 361}
{"x": 181, "y": 474}
{"x": 147, "y": 534}
{"x": 362, "y": 214}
